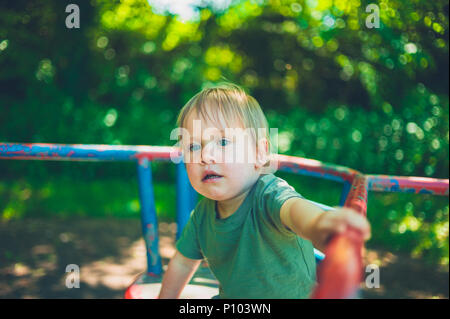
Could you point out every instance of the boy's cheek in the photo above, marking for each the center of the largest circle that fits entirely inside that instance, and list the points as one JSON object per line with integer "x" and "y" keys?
{"x": 191, "y": 171}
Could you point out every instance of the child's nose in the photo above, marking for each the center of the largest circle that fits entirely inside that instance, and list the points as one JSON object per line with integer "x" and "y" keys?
{"x": 208, "y": 154}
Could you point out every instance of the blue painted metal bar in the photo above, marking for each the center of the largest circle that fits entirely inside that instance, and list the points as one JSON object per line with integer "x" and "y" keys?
{"x": 344, "y": 194}
{"x": 305, "y": 166}
{"x": 408, "y": 184}
{"x": 84, "y": 152}
{"x": 186, "y": 198}
{"x": 148, "y": 217}
{"x": 186, "y": 195}
{"x": 307, "y": 172}
{"x": 318, "y": 255}
{"x": 296, "y": 165}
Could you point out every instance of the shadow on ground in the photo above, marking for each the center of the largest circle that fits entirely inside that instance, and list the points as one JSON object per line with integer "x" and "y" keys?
{"x": 35, "y": 253}
{"x": 404, "y": 277}
{"x": 110, "y": 253}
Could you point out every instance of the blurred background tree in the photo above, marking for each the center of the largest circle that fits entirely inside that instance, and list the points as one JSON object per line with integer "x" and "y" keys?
{"x": 373, "y": 99}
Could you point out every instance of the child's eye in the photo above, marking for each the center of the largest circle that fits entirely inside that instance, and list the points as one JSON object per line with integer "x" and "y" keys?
{"x": 193, "y": 147}
{"x": 224, "y": 142}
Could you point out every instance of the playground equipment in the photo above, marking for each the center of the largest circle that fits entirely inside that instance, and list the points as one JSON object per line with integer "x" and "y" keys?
{"x": 339, "y": 273}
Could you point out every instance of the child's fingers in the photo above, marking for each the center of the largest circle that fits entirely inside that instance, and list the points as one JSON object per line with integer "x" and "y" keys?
{"x": 359, "y": 222}
{"x": 353, "y": 219}
{"x": 337, "y": 222}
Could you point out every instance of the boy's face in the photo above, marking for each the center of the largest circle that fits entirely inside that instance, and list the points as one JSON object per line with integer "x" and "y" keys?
{"x": 221, "y": 162}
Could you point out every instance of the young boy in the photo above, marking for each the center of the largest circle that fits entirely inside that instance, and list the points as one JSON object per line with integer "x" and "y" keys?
{"x": 255, "y": 231}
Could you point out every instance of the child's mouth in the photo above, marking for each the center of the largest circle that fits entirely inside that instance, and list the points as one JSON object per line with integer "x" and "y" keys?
{"x": 209, "y": 178}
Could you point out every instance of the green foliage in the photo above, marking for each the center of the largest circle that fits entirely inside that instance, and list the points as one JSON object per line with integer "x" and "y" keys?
{"x": 375, "y": 100}
{"x": 410, "y": 141}
{"x": 411, "y": 223}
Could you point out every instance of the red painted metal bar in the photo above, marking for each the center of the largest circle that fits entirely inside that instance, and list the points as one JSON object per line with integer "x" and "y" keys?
{"x": 378, "y": 183}
{"x": 414, "y": 185}
{"x": 85, "y": 152}
{"x": 296, "y": 165}
{"x": 305, "y": 166}
{"x": 340, "y": 273}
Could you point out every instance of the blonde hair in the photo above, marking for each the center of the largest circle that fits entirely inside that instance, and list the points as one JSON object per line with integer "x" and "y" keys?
{"x": 227, "y": 103}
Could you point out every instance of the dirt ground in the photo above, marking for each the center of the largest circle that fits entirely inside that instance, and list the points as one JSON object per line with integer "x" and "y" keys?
{"x": 110, "y": 253}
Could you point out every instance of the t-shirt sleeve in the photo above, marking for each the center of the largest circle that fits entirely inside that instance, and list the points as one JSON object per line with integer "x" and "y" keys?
{"x": 188, "y": 243}
{"x": 271, "y": 195}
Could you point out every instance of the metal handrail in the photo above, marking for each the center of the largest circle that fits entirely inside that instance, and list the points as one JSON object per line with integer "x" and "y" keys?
{"x": 340, "y": 273}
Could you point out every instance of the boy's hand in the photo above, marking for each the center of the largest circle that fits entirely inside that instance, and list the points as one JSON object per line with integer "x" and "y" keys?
{"x": 337, "y": 221}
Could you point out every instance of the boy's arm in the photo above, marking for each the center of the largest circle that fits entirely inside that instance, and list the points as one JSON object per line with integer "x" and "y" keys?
{"x": 179, "y": 272}
{"x": 314, "y": 224}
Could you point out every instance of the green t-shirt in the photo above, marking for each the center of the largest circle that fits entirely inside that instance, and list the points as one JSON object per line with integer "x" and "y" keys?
{"x": 251, "y": 253}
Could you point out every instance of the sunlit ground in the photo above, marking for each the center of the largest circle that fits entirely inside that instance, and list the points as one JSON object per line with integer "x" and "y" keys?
{"x": 111, "y": 253}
